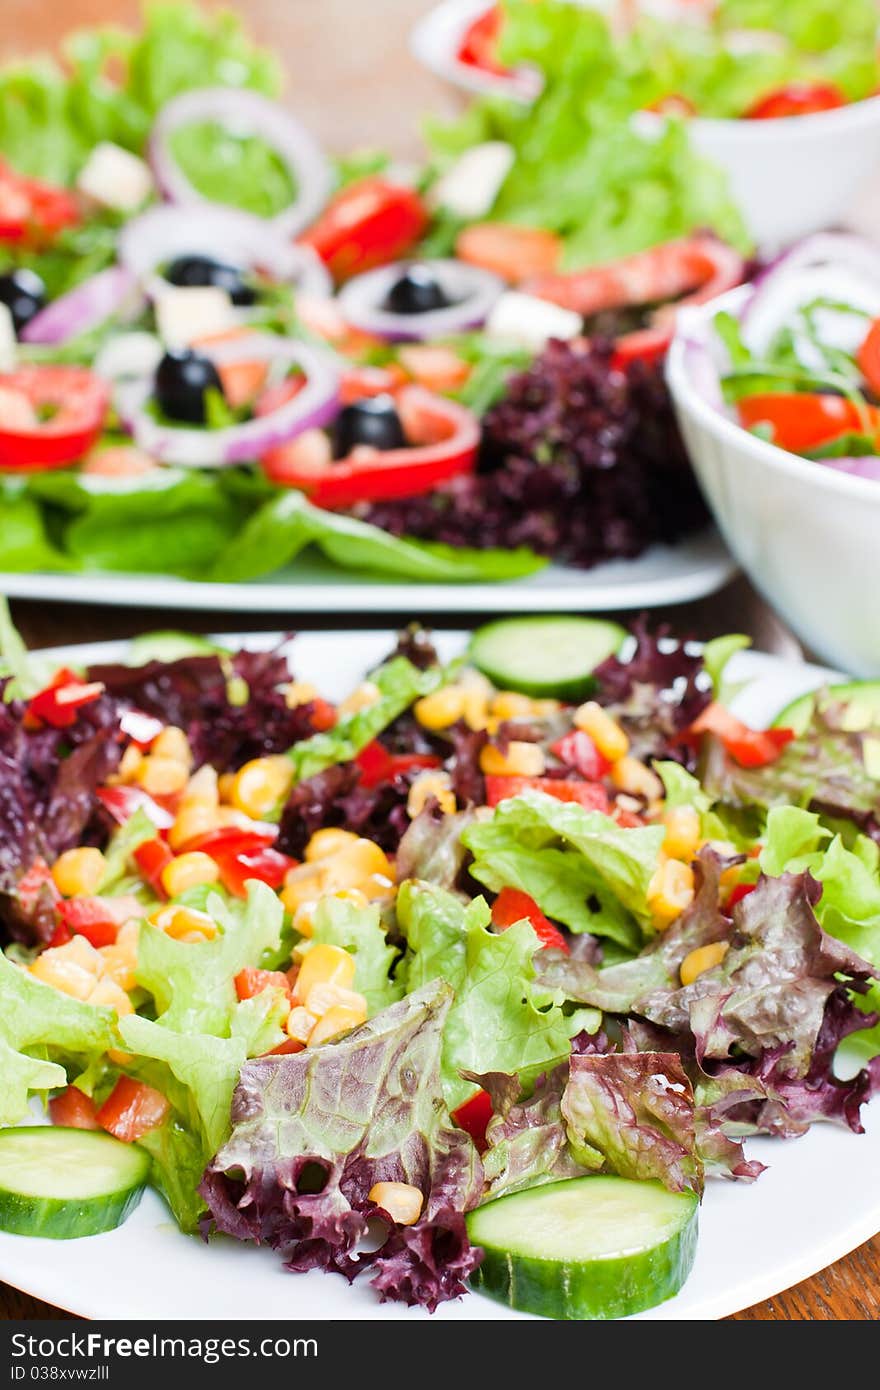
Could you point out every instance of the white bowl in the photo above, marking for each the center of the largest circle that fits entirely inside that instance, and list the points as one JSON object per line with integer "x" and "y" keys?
{"x": 808, "y": 537}
{"x": 789, "y": 177}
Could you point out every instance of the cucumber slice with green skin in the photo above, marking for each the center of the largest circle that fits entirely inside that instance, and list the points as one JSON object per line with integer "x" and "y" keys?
{"x": 62, "y": 1183}
{"x": 545, "y": 657}
{"x": 862, "y": 697}
{"x": 601, "y": 1247}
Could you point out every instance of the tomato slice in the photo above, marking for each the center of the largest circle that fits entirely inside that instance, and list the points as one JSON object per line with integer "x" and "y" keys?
{"x": 643, "y": 345}
{"x": 797, "y": 99}
{"x": 89, "y": 917}
{"x": 479, "y": 44}
{"x": 748, "y": 747}
{"x": 132, "y": 1109}
{"x": 60, "y": 702}
{"x": 77, "y": 401}
{"x": 377, "y": 765}
{"x": 360, "y": 383}
{"x": 868, "y": 357}
{"x": 802, "y": 421}
{"x": 473, "y": 1117}
{"x": 73, "y": 1109}
{"x": 444, "y": 438}
{"x": 33, "y": 211}
{"x": 251, "y": 982}
{"x": 587, "y": 794}
{"x": 514, "y": 253}
{"x": 577, "y": 750}
{"x": 512, "y": 905}
{"x": 370, "y": 223}
{"x": 436, "y": 368}
{"x": 266, "y": 864}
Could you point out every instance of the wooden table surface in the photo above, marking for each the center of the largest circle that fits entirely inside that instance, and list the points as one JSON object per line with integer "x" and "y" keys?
{"x": 353, "y": 82}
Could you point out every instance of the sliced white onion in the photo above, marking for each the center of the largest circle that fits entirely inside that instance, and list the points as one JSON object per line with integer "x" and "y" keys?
{"x": 472, "y": 291}
{"x": 248, "y": 114}
{"x": 97, "y": 299}
{"x": 830, "y": 265}
{"x": 191, "y": 447}
{"x": 226, "y": 234}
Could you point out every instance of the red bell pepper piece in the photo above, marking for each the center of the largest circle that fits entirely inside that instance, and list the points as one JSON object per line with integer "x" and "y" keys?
{"x": 512, "y": 905}
{"x": 748, "y": 747}
{"x": 60, "y": 702}
{"x": 54, "y": 416}
{"x": 377, "y": 765}
{"x": 37, "y": 880}
{"x": 473, "y": 1117}
{"x": 577, "y": 750}
{"x": 285, "y": 1049}
{"x": 122, "y": 802}
{"x": 251, "y": 982}
{"x": 590, "y": 795}
{"x": 797, "y": 99}
{"x": 231, "y": 840}
{"x": 132, "y": 1109}
{"x": 151, "y": 858}
{"x": 88, "y": 917}
{"x": 742, "y": 890}
{"x": 371, "y": 222}
{"x": 266, "y": 864}
{"x": 73, "y": 1109}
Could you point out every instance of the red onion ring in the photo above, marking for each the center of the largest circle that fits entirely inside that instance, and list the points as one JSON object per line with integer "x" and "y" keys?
{"x": 228, "y": 234}
{"x": 314, "y": 406}
{"x": 252, "y": 114}
{"x": 867, "y": 466}
{"x": 360, "y": 301}
{"x": 841, "y": 250}
{"x": 702, "y": 371}
{"x": 84, "y": 308}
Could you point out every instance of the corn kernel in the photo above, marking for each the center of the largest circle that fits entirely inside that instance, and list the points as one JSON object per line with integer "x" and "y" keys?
{"x": 79, "y": 871}
{"x": 72, "y": 969}
{"x": 509, "y": 705}
{"x": 120, "y": 965}
{"x": 261, "y": 785}
{"x": 520, "y": 760}
{"x": 299, "y": 693}
{"x": 605, "y": 732}
{"x": 184, "y": 923}
{"x": 193, "y": 819}
{"x": 303, "y": 917}
{"x": 225, "y": 783}
{"x": 431, "y": 785}
{"x": 172, "y": 743}
{"x": 544, "y": 709}
{"x": 161, "y": 776}
{"x": 303, "y": 886}
{"x": 324, "y": 965}
{"x": 401, "y": 1200}
{"x": 128, "y": 765}
{"x": 682, "y": 832}
{"x": 300, "y": 1024}
{"x": 364, "y": 695}
{"x": 108, "y": 994}
{"x": 440, "y": 710}
{"x": 322, "y": 997}
{"x": 670, "y": 892}
{"x": 227, "y": 815}
{"x": 202, "y": 789}
{"x": 629, "y": 775}
{"x": 334, "y": 1022}
{"x": 326, "y": 842}
{"x": 353, "y": 895}
{"x": 704, "y": 958}
{"x": 189, "y": 871}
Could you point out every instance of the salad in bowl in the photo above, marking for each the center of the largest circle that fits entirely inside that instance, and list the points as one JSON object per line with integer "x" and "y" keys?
{"x": 497, "y": 961}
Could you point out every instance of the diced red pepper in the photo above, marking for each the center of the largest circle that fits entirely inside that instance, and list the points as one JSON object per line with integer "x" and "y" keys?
{"x": 141, "y": 728}
{"x": 89, "y": 917}
{"x": 266, "y": 864}
{"x": 37, "y": 880}
{"x": 152, "y": 857}
{"x": 742, "y": 890}
{"x": 748, "y": 747}
{"x": 60, "y": 702}
{"x": 577, "y": 750}
{"x": 285, "y": 1049}
{"x": 122, "y": 802}
{"x": 377, "y": 765}
{"x": 231, "y": 840}
{"x": 590, "y": 795}
{"x": 512, "y": 905}
{"x": 132, "y": 1109}
{"x": 73, "y": 1109}
{"x": 473, "y": 1117}
{"x": 251, "y": 982}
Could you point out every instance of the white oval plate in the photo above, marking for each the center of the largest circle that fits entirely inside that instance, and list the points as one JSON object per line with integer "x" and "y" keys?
{"x": 818, "y": 1200}
{"x": 664, "y": 574}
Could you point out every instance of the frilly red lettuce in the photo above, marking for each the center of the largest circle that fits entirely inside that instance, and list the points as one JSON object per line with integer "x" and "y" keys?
{"x": 312, "y": 1133}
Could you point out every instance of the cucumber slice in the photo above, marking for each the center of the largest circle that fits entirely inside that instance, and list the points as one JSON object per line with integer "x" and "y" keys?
{"x": 545, "y": 656}
{"x": 862, "y": 697}
{"x": 600, "y": 1247}
{"x": 62, "y": 1183}
{"x": 168, "y": 646}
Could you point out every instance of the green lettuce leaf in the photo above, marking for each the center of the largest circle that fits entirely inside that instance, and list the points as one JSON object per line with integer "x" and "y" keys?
{"x": 500, "y": 1020}
{"x": 580, "y": 867}
{"x": 359, "y": 930}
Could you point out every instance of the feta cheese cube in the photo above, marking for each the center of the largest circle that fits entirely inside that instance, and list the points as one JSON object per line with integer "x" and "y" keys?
{"x": 469, "y": 188}
{"x": 531, "y": 322}
{"x": 8, "y": 343}
{"x": 185, "y": 314}
{"x": 115, "y": 178}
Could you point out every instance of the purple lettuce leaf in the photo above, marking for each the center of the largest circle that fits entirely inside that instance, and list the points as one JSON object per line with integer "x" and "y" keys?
{"x": 431, "y": 848}
{"x": 312, "y": 1133}
{"x": 527, "y": 1139}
